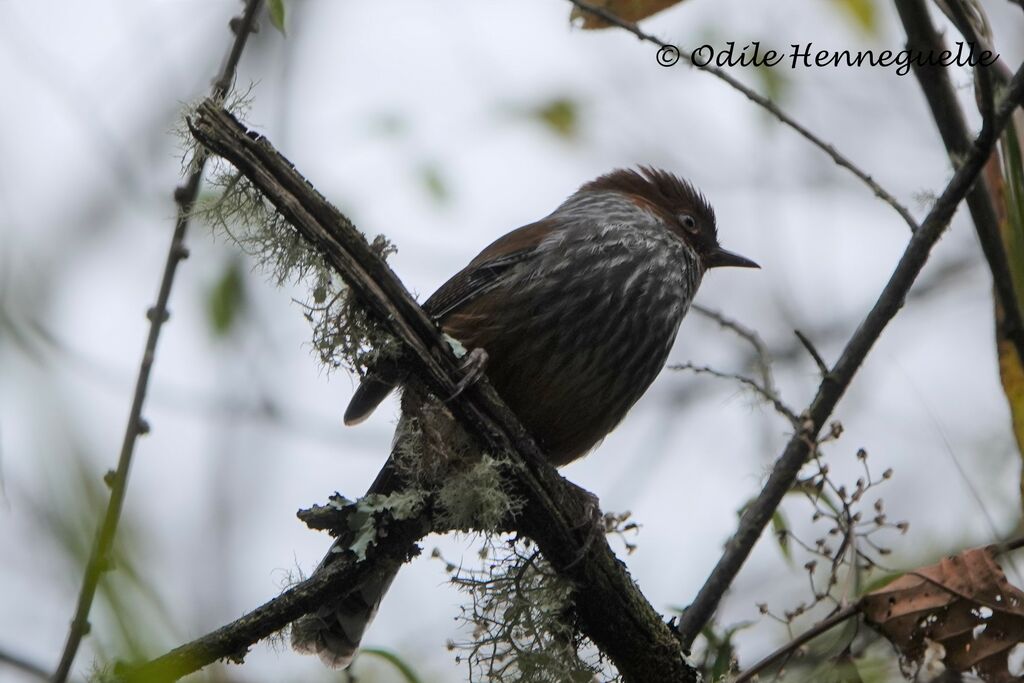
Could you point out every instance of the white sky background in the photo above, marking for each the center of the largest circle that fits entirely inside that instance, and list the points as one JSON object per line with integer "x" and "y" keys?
{"x": 362, "y": 97}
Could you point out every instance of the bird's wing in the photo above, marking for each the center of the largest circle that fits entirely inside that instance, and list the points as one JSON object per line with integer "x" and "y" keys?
{"x": 485, "y": 271}
{"x": 483, "y": 274}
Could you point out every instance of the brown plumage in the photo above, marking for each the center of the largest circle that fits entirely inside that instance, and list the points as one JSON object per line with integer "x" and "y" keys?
{"x": 577, "y": 313}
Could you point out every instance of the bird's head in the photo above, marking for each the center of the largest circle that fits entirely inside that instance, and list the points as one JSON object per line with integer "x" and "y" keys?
{"x": 682, "y": 208}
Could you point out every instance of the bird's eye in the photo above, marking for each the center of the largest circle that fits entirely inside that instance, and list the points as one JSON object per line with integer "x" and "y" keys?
{"x": 689, "y": 223}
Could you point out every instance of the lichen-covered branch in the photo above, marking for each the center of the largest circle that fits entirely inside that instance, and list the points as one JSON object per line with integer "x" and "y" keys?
{"x": 610, "y": 609}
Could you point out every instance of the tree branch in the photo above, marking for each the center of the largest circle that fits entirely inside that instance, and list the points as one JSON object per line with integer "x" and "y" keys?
{"x": 184, "y": 196}
{"x": 941, "y": 96}
{"x": 834, "y": 385}
{"x": 805, "y": 637}
{"x": 611, "y": 610}
{"x": 763, "y": 102}
{"x": 25, "y": 666}
{"x": 337, "y": 580}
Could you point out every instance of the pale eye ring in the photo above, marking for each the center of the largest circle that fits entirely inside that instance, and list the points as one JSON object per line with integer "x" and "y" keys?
{"x": 688, "y": 222}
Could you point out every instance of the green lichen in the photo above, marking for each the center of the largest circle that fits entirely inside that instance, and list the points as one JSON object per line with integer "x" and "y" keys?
{"x": 368, "y": 518}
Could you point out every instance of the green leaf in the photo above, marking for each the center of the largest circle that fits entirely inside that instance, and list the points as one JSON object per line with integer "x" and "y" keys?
{"x": 276, "y": 8}
{"x": 561, "y": 115}
{"x": 226, "y": 300}
{"x": 396, "y": 661}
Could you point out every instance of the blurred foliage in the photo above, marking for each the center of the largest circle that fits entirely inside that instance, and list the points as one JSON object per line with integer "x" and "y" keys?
{"x": 629, "y": 10}
{"x": 560, "y": 115}
{"x": 780, "y": 527}
{"x": 276, "y": 9}
{"x": 863, "y": 14}
{"x": 394, "y": 660}
{"x": 774, "y": 84}
{"x": 1007, "y": 186}
{"x": 717, "y": 652}
{"x": 226, "y": 300}
{"x": 389, "y": 124}
{"x": 434, "y": 183}
{"x": 132, "y": 622}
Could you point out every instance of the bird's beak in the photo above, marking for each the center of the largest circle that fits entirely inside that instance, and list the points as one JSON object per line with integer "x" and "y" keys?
{"x": 719, "y": 257}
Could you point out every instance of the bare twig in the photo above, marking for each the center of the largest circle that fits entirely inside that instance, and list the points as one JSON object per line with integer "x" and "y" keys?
{"x": 767, "y": 393}
{"x": 763, "y": 359}
{"x": 184, "y": 196}
{"x": 25, "y": 666}
{"x": 762, "y": 102}
{"x": 790, "y": 647}
{"x": 1009, "y": 546}
{"x": 834, "y": 385}
{"x": 807, "y": 344}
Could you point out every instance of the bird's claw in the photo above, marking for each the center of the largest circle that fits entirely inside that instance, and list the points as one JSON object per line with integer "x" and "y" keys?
{"x": 592, "y": 521}
{"x": 473, "y": 366}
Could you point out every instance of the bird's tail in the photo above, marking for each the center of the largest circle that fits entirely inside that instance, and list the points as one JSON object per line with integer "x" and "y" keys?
{"x": 333, "y": 631}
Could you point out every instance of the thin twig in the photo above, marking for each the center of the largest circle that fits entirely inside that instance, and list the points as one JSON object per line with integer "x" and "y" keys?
{"x": 763, "y": 360}
{"x": 764, "y": 392}
{"x": 833, "y": 386}
{"x": 808, "y": 635}
{"x": 764, "y": 103}
{"x": 184, "y": 196}
{"x": 23, "y": 665}
{"x": 1009, "y": 546}
{"x": 807, "y": 344}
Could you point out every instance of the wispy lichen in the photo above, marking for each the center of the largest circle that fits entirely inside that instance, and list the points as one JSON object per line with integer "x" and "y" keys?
{"x": 522, "y": 622}
{"x": 475, "y": 498}
{"x": 344, "y": 335}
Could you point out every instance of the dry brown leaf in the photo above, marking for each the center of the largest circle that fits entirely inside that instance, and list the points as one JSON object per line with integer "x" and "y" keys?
{"x": 963, "y": 603}
{"x": 627, "y": 10}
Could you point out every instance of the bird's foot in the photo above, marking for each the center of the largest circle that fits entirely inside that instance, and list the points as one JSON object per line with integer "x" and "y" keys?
{"x": 473, "y": 366}
{"x": 591, "y": 522}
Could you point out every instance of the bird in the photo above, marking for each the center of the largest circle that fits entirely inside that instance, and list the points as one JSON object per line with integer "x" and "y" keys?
{"x": 575, "y": 315}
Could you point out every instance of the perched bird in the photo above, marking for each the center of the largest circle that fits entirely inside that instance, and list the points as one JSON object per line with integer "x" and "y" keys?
{"x": 577, "y": 313}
